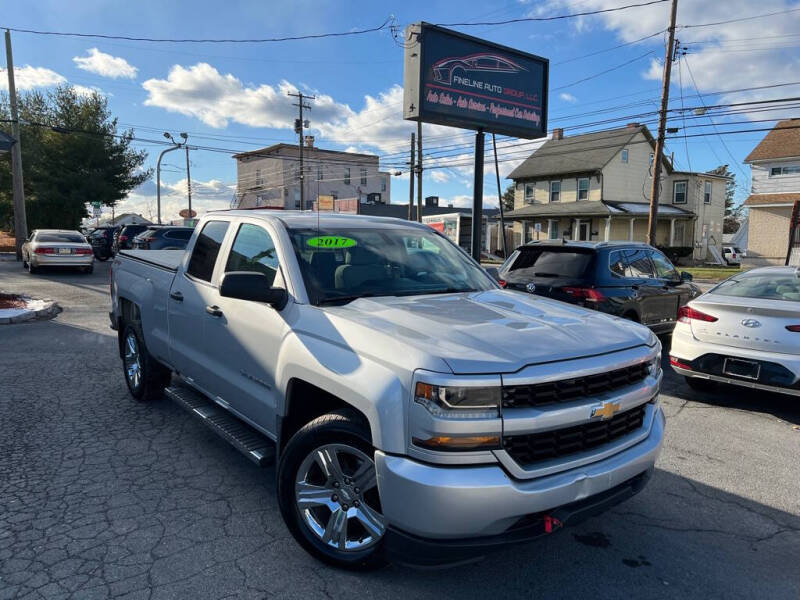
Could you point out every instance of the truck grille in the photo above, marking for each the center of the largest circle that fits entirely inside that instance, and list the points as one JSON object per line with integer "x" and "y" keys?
{"x": 535, "y": 447}
{"x": 564, "y": 390}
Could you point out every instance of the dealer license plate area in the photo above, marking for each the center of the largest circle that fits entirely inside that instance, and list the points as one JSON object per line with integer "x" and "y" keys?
{"x": 737, "y": 367}
{"x": 65, "y": 251}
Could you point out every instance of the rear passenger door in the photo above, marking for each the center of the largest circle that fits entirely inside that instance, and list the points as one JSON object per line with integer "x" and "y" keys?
{"x": 641, "y": 276}
{"x": 192, "y": 291}
{"x": 669, "y": 286}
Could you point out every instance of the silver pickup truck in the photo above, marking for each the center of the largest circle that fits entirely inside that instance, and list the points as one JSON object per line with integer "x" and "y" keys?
{"x": 416, "y": 411}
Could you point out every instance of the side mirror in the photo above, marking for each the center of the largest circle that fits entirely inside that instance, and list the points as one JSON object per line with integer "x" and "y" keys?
{"x": 249, "y": 285}
{"x": 686, "y": 276}
{"x": 493, "y": 273}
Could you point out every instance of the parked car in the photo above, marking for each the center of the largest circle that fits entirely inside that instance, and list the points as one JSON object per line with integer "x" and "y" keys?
{"x": 416, "y": 409}
{"x": 625, "y": 279}
{"x": 102, "y": 239}
{"x": 57, "y": 248}
{"x": 732, "y": 255}
{"x": 163, "y": 238}
{"x": 745, "y": 331}
{"x": 123, "y": 240}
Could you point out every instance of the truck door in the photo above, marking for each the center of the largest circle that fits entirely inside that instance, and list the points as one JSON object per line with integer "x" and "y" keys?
{"x": 244, "y": 337}
{"x": 190, "y": 294}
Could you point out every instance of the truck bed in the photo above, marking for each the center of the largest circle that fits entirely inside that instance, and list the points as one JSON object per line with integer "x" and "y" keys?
{"x": 165, "y": 259}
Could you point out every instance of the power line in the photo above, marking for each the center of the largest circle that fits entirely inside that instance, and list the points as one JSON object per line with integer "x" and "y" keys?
{"x": 596, "y": 75}
{"x": 641, "y": 39}
{"x": 385, "y": 25}
{"x": 750, "y": 18}
{"x": 553, "y": 18}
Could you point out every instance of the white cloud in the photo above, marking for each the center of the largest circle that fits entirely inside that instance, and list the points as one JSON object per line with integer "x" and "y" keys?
{"x": 206, "y": 195}
{"x": 203, "y": 92}
{"x": 105, "y": 65}
{"x": 440, "y": 176}
{"x": 28, "y": 78}
{"x": 464, "y": 201}
{"x": 83, "y": 90}
{"x": 568, "y": 97}
{"x": 720, "y": 57}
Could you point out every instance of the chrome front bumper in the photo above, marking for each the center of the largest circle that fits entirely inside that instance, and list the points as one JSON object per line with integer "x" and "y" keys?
{"x": 442, "y": 502}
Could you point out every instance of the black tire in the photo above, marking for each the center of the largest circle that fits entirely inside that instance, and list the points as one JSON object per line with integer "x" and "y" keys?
{"x": 701, "y": 385}
{"x": 102, "y": 257}
{"x": 152, "y": 378}
{"x": 631, "y": 316}
{"x": 343, "y": 429}
{"x": 31, "y": 269}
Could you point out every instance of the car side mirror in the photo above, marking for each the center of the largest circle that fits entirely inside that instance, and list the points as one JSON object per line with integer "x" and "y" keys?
{"x": 686, "y": 276}
{"x": 493, "y": 273}
{"x": 249, "y": 285}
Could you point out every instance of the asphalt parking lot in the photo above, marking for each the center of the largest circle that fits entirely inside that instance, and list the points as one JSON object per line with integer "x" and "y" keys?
{"x": 103, "y": 497}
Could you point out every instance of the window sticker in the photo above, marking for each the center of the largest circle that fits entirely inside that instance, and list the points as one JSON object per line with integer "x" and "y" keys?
{"x": 331, "y": 241}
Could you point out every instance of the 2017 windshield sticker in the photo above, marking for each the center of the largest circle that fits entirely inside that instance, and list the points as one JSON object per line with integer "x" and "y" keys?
{"x": 331, "y": 241}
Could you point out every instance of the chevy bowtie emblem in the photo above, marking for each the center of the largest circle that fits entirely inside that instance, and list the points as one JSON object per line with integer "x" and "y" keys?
{"x": 606, "y": 411}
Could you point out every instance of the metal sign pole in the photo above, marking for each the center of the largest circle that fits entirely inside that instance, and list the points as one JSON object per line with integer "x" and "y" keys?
{"x": 477, "y": 197}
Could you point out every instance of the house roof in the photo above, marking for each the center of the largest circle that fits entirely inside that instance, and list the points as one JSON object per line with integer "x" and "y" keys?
{"x": 604, "y": 208}
{"x": 585, "y": 153}
{"x": 761, "y": 199}
{"x": 275, "y": 150}
{"x": 782, "y": 142}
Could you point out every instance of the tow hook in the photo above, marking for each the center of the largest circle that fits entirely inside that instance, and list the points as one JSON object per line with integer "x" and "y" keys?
{"x": 551, "y": 524}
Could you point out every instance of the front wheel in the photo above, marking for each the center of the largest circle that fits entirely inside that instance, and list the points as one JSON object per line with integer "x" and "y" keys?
{"x": 328, "y": 492}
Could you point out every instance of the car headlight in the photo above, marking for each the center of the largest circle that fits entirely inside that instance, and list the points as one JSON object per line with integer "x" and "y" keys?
{"x": 459, "y": 401}
{"x": 654, "y": 364}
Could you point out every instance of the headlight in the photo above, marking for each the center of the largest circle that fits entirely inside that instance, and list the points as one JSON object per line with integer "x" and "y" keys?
{"x": 654, "y": 365}
{"x": 458, "y": 401}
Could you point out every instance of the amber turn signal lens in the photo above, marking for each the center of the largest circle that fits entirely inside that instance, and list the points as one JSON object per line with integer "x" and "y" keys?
{"x": 448, "y": 443}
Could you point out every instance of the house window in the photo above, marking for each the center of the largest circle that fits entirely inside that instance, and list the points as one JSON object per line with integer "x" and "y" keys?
{"x": 583, "y": 188}
{"x": 259, "y": 177}
{"x": 624, "y": 155}
{"x": 679, "y": 192}
{"x": 791, "y": 170}
{"x": 530, "y": 193}
{"x": 363, "y": 176}
{"x": 347, "y": 175}
{"x": 383, "y": 184}
{"x": 652, "y": 156}
{"x": 707, "y": 193}
{"x": 552, "y": 232}
{"x": 555, "y": 191}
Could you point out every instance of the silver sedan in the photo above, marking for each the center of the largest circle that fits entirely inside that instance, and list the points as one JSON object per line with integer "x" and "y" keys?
{"x": 57, "y": 248}
{"x": 745, "y": 332}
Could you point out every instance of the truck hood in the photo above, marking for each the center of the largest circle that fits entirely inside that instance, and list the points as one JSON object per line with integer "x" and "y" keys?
{"x": 496, "y": 331}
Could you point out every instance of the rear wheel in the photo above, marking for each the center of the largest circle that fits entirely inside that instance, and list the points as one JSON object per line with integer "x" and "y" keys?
{"x": 146, "y": 377}
{"x": 31, "y": 269}
{"x": 328, "y": 492}
{"x": 701, "y": 385}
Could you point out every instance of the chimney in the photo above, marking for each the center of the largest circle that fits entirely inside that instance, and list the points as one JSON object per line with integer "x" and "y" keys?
{"x": 309, "y": 141}
{"x": 558, "y": 134}
{"x": 633, "y": 125}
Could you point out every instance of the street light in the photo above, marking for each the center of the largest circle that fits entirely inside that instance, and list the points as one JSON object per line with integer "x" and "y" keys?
{"x": 158, "y": 167}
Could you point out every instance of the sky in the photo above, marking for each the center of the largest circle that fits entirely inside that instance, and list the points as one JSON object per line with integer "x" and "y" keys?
{"x": 231, "y": 97}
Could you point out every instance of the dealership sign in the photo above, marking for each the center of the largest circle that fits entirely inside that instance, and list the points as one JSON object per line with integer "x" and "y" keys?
{"x": 461, "y": 81}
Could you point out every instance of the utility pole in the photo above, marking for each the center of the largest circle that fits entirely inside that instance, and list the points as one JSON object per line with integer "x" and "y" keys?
{"x": 477, "y": 197}
{"x": 20, "y": 220}
{"x": 652, "y": 224}
{"x": 188, "y": 183}
{"x": 500, "y": 199}
{"x": 299, "y": 124}
{"x": 158, "y": 168}
{"x": 412, "y": 168}
{"x": 419, "y": 171}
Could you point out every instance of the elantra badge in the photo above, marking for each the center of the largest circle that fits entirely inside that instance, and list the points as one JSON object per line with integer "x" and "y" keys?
{"x": 531, "y": 287}
{"x": 752, "y": 323}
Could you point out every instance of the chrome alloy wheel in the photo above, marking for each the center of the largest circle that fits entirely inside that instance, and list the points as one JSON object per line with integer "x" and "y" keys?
{"x": 336, "y": 492}
{"x": 133, "y": 361}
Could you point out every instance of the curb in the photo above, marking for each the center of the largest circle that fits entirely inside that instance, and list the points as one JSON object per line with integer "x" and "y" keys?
{"x": 48, "y": 311}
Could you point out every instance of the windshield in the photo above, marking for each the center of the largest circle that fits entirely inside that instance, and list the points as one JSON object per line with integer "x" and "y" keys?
{"x": 339, "y": 264}
{"x": 69, "y": 238}
{"x": 541, "y": 262}
{"x": 767, "y": 286}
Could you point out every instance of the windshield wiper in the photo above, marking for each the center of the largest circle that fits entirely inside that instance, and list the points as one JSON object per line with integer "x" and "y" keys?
{"x": 450, "y": 290}
{"x": 344, "y": 299}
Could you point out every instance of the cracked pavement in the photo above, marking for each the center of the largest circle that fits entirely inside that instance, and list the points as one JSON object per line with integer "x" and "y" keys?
{"x": 102, "y": 497}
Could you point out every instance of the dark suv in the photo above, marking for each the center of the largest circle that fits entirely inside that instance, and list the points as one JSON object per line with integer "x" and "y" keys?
{"x": 626, "y": 279}
{"x": 163, "y": 238}
{"x": 124, "y": 238}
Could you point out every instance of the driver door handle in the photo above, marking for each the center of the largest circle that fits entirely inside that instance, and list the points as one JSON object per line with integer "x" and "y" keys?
{"x": 176, "y": 296}
{"x": 214, "y": 311}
